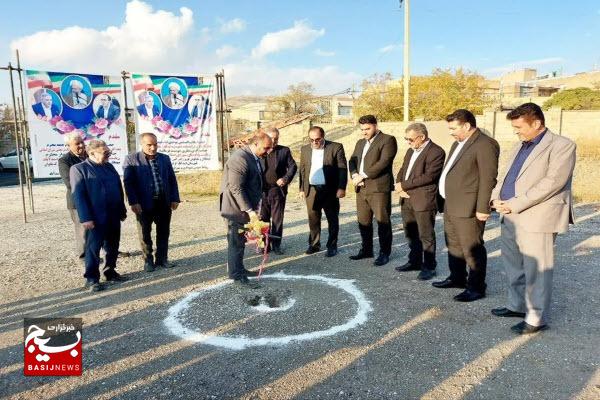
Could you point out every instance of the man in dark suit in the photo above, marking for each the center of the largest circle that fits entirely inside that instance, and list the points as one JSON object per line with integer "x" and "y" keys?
{"x": 100, "y": 204}
{"x": 323, "y": 177}
{"x": 152, "y": 193}
{"x": 371, "y": 171}
{"x": 148, "y": 108}
{"x": 417, "y": 183}
{"x": 239, "y": 201}
{"x": 466, "y": 184}
{"x": 201, "y": 108}
{"x": 45, "y": 107}
{"x": 75, "y": 155}
{"x": 107, "y": 110}
{"x": 279, "y": 169}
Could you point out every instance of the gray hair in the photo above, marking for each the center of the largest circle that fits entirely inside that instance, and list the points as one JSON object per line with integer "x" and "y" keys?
{"x": 271, "y": 129}
{"x": 418, "y": 127}
{"x": 75, "y": 82}
{"x": 95, "y": 144}
{"x": 69, "y": 137}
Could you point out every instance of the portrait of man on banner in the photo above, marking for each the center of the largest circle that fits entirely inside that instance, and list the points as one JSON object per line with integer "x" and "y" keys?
{"x": 200, "y": 107}
{"x": 48, "y": 104}
{"x": 150, "y": 105}
{"x": 106, "y": 107}
{"x": 76, "y": 92}
{"x": 174, "y": 93}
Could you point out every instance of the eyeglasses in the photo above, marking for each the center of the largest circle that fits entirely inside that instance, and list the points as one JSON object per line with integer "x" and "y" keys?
{"x": 410, "y": 140}
{"x": 317, "y": 140}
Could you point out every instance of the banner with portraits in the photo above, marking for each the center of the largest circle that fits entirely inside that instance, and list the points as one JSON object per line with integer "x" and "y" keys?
{"x": 180, "y": 111}
{"x": 62, "y": 104}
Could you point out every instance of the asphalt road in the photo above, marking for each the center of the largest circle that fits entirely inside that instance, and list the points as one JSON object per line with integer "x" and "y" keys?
{"x": 153, "y": 337}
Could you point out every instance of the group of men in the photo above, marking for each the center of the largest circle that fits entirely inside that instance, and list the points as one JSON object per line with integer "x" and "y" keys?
{"x": 96, "y": 201}
{"x": 533, "y": 197}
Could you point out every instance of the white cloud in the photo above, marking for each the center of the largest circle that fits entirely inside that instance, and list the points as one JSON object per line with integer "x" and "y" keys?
{"x": 251, "y": 77}
{"x": 226, "y": 51}
{"x": 157, "y": 41}
{"x": 324, "y": 53}
{"x": 524, "y": 64}
{"x": 232, "y": 26}
{"x": 298, "y": 36}
{"x": 146, "y": 40}
{"x": 389, "y": 48}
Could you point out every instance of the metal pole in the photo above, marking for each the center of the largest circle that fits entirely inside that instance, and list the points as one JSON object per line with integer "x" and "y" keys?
{"x": 227, "y": 110}
{"x": 406, "y": 60}
{"x": 24, "y": 140}
{"x": 220, "y": 118}
{"x": 124, "y": 77}
{"x": 12, "y": 89}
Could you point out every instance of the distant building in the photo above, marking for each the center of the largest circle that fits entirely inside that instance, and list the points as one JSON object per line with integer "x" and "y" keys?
{"x": 524, "y": 85}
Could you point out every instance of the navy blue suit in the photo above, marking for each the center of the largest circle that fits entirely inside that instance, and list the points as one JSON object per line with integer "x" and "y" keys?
{"x": 156, "y": 207}
{"x": 142, "y": 110}
{"x": 113, "y": 112}
{"x": 98, "y": 197}
{"x": 38, "y": 109}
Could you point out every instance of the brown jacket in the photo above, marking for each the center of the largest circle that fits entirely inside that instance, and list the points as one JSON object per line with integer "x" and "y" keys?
{"x": 472, "y": 177}
{"x": 378, "y": 163}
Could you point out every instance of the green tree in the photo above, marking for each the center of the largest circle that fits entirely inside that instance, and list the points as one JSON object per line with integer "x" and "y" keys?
{"x": 298, "y": 99}
{"x": 432, "y": 97}
{"x": 575, "y": 99}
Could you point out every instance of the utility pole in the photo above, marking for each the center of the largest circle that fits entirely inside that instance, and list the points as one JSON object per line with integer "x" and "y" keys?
{"x": 406, "y": 58}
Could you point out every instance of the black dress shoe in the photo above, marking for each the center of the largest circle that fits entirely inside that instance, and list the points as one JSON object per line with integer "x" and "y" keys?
{"x": 312, "y": 250}
{"x": 408, "y": 267}
{"x": 149, "y": 266}
{"x": 251, "y": 273}
{"x": 426, "y": 274}
{"x": 277, "y": 250}
{"x": 244, "y": 282}
{"x": 116, "y": 277}
{"x": 523, "y": 328}
{"x": 468, "y": 296}
{"x": 448, "y": 283}
{"x": 362, "y": 254}
{"x": 381, "y": 260}
{"x": 505, "y": 312}
{"x": 331, "y": 253}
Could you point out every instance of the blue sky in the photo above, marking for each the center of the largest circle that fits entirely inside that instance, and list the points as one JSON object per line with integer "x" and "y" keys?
{"x": 264, "y": 46}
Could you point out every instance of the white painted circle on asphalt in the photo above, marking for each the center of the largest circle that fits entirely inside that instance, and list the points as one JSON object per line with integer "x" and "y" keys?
{"x": 174, "y": 324}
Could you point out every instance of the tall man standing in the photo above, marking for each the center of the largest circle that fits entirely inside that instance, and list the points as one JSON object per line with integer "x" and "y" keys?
{"x": 279, "y": 169}
{"x": 323, "y": 178}
{"x": 371, "y": 171}
{"x": 75, "y": 155}
{"x": 152, "y": 192}
{"x": 535, "y": 200}
{"x": 239, "y": 200}
{"x": 100, "y": 204}
{"x": 466, "y": 184}
{"x": 417, "y": 183}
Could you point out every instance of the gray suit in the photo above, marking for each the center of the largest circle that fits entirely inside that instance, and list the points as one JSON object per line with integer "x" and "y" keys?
{"x": 241, "y": 191}
{"x": 541, "y": 208}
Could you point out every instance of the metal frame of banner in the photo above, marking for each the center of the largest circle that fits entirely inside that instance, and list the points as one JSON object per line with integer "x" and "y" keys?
{"x": 222, "y": 116}
{"x": 21, "y": 137}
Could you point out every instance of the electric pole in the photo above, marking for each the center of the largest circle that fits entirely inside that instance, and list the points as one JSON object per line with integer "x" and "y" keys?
{"x": 406, "y": 58}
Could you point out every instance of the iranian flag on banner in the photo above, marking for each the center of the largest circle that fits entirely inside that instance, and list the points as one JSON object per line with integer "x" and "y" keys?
{"x": 114, "y": 88}
{"x": 203, "y": 90}
{"x": 38, "y": 79}
{"x": 142, "y": 82}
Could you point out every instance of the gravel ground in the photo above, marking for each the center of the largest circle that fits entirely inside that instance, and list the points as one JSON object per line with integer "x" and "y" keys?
{"x": 415, "y": 343}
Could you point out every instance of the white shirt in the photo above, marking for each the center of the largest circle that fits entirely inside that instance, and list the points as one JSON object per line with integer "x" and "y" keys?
{"x": 149, "y": 112}
{"x": 47, "y": 111}
{"x": 413, "y": 158}
{"x": 361, "y": 170}
{"x": 105, "y": 112}
{"x": 442, "y": 185}
{"x": 317, "y": 176}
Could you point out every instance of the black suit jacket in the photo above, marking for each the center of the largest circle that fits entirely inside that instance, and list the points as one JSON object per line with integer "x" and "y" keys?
{"x": 379, "y": 161}
{"x": 285, "y": 165}
{"x": 422, "y": 183}
{"x": 334, "y": 167}
{"x": 472, "y": 176}
{"x": 65, "y": 162}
